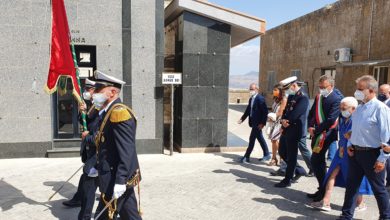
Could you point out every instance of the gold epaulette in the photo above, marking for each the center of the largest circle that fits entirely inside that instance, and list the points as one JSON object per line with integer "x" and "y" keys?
{"x": 120, "y": 114}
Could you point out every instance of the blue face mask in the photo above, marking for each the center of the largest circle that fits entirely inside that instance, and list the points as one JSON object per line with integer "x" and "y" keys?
{"x": 382, "y": 97}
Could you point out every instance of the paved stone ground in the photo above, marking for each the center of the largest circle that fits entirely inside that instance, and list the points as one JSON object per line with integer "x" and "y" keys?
{"x": 184, "y": 186}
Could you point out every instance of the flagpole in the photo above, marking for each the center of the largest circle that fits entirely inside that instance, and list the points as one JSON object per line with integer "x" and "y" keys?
{"x": 83, "y": 113}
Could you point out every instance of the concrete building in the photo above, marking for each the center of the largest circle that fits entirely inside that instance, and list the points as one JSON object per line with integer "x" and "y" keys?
{"x": 126, "y": 39}
{"x": 346, "y": 39}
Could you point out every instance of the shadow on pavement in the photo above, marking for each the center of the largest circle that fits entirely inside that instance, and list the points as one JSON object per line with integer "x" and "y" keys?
{"x": 11, "y": 196}
{"x": 291, "y": 197}
{"x": 58, "y": 210}
{"x": 254, "y": 165}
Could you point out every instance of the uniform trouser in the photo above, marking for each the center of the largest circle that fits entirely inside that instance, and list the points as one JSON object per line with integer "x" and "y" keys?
{"x": 256, "y": 134}
{"x": 361, "y": 164}
{"x": 299, "y": 170}
{"x": 318, "y": 162}
{"x": 127, "y": 207}
{"x": 77, "y": 195}
{"x": 288, "y": 151}
{"x": 88, "y": 186}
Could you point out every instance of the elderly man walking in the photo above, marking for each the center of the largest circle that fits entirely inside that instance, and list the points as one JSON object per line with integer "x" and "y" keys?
{"x": 370, "y": 133}
{"x": 257, "y": 111}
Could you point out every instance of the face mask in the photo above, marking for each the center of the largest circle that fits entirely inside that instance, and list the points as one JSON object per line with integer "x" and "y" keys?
{"x": 252, "y": 92}
{"x": 359, "y": 95}
{"x": 98, "y": 100}
{"x": 276, "y": 93}
{"x": 87, "y": 95}
{"x": 290, "y": 91}
{"x": 324, "y": 92}
{"x": 382, "y": 97}
{"x": 346, "y": 114}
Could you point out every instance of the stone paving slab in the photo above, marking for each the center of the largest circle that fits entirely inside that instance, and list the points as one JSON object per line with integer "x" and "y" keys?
{"x": 185, "y": 186}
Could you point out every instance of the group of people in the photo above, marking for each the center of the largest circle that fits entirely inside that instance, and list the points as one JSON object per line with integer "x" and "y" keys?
{"x": 359, "y": 125}
{"x": 108, "y": 153}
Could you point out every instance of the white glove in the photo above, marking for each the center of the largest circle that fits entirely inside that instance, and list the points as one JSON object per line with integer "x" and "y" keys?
{"x": 119, "y": 189}
{"x": 93, "y": 172}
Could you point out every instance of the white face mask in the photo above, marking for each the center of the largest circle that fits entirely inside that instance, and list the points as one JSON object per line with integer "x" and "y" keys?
{"x": 252, "y": 92}
{"x": 359, "y": 95}
{"x": 346, "y": 114}
{"x": 98, "y": 100}
{"x": 87, "y": 95}
{"x": 324, "y": 92}
{"x": 290, "y": 91}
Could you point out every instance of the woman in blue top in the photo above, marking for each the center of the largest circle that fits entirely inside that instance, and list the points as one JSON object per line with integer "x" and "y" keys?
{"x": 338, "y": 170}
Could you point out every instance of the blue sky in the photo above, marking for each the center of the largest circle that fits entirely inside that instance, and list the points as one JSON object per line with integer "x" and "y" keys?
{"x": 245, "y": 58}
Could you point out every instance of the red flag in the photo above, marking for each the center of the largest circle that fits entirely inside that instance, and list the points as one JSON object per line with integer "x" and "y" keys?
{"x": 61, "y": 60}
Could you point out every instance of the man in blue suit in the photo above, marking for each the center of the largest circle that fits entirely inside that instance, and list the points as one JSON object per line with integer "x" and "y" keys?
{"x": 322, "y": 120}
{"x": 257, "y": 111}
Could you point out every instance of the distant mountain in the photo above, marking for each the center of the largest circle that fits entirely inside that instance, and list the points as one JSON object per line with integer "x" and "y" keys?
{"x": 243, "y": 81}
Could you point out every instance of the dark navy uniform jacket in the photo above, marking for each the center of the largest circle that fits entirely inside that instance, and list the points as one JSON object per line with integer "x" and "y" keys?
{"x": 259, "y": 111}
{"x": 331, "y": 108}
{"x": 88, "y": 148}
{"x": 296, "y": 113}
{"x": 117, "y": 157}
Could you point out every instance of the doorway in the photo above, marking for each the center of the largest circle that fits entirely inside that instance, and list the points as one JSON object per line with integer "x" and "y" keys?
{"x": 65, "y": 107}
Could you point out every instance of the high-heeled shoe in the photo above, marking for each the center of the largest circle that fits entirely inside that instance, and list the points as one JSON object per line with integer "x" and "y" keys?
{"x": 273, "y": 162}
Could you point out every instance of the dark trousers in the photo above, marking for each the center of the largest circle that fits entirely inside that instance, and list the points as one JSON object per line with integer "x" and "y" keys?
{"x": 283, "y": 153}
{"x": 88, "y": 186}
{"x": 361, "y": 164}
{"x": 127, "y": 207}
{"x": 77, "y": 195}
{"x": 388, "y": 172}
{"x": 256, "y": 134}
{"x": 292, "y": 155}
{"x": 318, "y": 163}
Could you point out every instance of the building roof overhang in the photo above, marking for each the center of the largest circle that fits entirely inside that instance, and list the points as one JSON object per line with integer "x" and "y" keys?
{"x": 368, "y": 63}
{"x": 243, "y": 27}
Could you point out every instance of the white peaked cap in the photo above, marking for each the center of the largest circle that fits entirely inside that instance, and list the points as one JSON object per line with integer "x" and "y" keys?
{"x": 103, "y": 78}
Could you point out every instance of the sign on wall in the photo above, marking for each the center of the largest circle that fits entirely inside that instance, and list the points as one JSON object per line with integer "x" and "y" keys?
{"x": 171, "y": 78}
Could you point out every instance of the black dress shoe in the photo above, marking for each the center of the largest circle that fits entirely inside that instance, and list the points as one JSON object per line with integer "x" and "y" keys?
{"x": 277, "y": 173}
{"x": 72, "y": 203}
{"x": 313, "y": 195}
{"x": 283, "y": 184}
{"x": 296, "y": 178}
{"x": 318, "y": 198}
{"x": 310, "y": 174}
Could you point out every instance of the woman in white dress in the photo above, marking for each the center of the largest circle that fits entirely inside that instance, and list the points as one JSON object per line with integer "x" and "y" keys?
{"x": 280, "y": 101}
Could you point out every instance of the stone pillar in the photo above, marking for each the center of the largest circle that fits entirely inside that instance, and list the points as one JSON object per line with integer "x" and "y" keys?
{"x": 143, "y": 49}
{"x": 201, "y": 103}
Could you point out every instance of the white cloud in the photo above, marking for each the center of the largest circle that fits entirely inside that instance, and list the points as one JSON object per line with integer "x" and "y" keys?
{"x": 244, "y": 58}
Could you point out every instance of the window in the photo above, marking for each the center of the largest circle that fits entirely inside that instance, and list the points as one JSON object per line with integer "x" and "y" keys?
{"x": 329, "y": 72}
{"x": 271, "y": 80}
{"x": 296, "y": 73}
{"x": 381, "y": 74}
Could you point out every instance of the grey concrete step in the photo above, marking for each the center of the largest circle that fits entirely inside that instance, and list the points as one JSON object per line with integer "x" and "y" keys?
{"x": 67, "y": 143}
{"x": 63, "y": 152}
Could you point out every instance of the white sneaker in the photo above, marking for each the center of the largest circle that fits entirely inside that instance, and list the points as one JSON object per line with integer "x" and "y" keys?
{"x": 321, "y": 206}
{"x": 361, "y": 207}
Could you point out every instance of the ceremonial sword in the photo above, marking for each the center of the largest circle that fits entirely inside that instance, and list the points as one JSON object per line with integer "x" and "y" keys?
{"x": 65, "y": 182}
{"x": 104, "y": 209}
